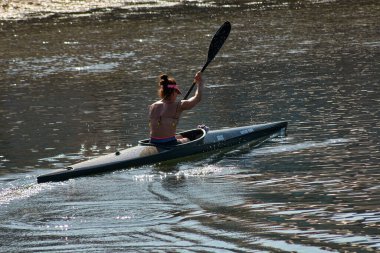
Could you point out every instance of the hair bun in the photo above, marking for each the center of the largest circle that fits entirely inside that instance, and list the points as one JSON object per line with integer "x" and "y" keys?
{"x": 164, "y": 79}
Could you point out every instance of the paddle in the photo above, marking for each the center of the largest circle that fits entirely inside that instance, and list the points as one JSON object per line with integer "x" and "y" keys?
{"x": 215, "y": 45}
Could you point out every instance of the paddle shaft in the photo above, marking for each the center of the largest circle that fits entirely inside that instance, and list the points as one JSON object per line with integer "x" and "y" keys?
{"x": 215, "y": 45}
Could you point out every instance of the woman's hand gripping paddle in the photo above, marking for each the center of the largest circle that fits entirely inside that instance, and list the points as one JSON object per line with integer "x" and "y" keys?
{"x": 216, "y": 44}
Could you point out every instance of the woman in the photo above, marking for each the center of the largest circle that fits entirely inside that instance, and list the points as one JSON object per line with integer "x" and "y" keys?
{"x": 164, "y": 114}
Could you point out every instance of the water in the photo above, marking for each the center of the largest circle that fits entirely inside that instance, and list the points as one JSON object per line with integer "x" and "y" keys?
{"x": 75, "y": 86}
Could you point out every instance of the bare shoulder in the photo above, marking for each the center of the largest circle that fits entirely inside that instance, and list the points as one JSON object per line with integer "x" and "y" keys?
{"x": 157, "y": 103}
{"x": 155, "y": 106}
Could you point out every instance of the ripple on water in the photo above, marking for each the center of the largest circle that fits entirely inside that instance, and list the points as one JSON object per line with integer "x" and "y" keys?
{"x": 75, "y": 95}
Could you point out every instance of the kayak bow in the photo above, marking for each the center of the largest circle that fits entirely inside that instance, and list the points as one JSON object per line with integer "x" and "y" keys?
{"x": 147, "y": 153}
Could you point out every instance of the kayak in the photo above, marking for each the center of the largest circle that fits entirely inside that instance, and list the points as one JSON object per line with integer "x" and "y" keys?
{"x": 146, "y": 153}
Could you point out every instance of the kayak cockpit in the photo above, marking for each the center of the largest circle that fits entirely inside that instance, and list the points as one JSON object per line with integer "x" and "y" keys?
{"x": 194, "y": 135}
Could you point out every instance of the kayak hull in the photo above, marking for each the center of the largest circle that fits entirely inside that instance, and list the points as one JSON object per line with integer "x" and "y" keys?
{"x": 146, "y": 153}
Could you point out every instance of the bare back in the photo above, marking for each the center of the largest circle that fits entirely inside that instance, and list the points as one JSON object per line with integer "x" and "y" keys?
{"x": 164, "y": 117}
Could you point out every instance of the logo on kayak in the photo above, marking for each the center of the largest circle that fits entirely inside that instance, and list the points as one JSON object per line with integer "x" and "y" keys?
{"x": 220, "y": 137}
{"x": 246, "y": 131}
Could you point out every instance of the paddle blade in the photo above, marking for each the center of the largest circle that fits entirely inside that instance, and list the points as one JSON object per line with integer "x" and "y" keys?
{"x": 217, "y": 42}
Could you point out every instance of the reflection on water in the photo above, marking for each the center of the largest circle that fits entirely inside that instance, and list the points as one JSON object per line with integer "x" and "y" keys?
{"x": 77, "y": 87}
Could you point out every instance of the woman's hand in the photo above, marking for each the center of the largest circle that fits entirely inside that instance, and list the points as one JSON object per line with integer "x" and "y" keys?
{"x": 198, "y": 78}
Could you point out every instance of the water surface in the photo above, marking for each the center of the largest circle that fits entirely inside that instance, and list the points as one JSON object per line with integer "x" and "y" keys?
{"x": 77, "y": 86}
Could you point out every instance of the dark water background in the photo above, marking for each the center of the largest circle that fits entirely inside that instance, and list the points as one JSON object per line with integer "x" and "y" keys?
{"x": 77, "y": 86}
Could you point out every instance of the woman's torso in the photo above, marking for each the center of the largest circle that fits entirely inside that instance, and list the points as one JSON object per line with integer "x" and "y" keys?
{"x": 164, "y": 117}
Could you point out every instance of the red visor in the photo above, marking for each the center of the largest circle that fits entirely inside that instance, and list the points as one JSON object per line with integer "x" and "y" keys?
{"x": 176, "y": 87}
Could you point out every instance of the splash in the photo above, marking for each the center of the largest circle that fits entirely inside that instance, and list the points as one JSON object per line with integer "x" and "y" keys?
{"x": 13, "y": 193}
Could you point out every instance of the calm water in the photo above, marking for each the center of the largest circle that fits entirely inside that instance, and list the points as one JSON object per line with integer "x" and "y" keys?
{"x": 78, "y": 86}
